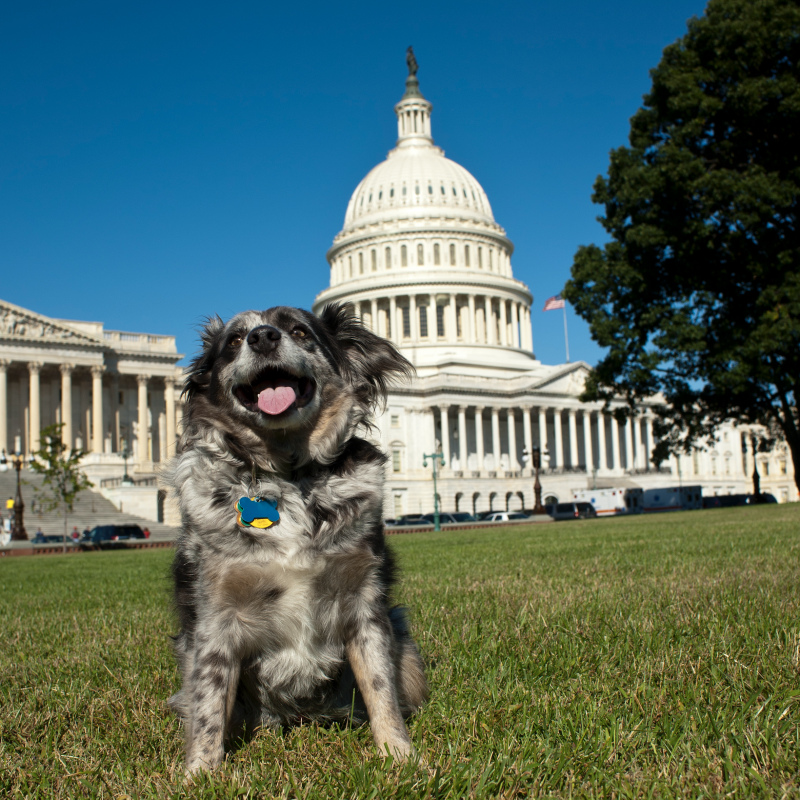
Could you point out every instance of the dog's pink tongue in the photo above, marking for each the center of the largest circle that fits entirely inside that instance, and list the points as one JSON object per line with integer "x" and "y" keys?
{"x": 277, "y": 400}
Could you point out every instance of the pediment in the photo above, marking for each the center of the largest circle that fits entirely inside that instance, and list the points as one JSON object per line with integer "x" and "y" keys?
{"x": 21, "y": 325}
{"x": 569, "y": 381}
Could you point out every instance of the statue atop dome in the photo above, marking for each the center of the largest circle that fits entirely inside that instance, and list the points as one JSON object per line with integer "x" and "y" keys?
{"x": 411, "y": 60}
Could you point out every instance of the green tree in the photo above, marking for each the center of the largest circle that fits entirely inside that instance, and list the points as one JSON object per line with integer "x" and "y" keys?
{"x": 63, "y": 480}
{"x": 697, "y": 293}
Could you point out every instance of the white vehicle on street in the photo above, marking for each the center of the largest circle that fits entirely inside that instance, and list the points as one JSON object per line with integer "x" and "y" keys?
{"x": 610, "y": 502}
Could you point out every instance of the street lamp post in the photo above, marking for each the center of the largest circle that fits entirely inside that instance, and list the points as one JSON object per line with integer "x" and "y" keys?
{"x": 538, "y": 508}
{"x": 125, "y": 456}
{"x": 19, "y": 534}
{"x": 437, "y": 460}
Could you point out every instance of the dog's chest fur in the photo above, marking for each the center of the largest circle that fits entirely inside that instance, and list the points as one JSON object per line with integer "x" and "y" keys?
{"x": 286, "y": 594}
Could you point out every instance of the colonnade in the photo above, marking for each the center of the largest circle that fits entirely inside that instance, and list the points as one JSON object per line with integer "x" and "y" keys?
{"x": 498, "y": 441}
{"x": 437, "y": 317}
{"x": 95, "y": 413}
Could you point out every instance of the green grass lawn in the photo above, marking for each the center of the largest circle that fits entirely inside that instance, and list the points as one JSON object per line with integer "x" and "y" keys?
{"x": 649, "y": 656}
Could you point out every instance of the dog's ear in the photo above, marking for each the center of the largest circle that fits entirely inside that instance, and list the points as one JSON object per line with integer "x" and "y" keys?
{"x": 198, "y": 374}
{"x": 371, "y": 362}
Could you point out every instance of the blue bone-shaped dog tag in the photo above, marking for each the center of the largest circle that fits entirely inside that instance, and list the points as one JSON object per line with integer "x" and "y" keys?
{"x": 256, "y": 512}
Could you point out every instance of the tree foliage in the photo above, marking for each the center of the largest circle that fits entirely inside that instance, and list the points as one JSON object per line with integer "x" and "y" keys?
{"x": 63, "y": 480}
{"x": 697, "y": 293}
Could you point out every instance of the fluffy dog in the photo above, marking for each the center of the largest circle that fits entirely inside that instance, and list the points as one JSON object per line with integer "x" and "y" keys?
{"x": 291, "y": 621}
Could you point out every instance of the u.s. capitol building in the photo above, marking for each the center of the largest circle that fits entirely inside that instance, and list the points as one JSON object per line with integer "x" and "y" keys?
{"x": 426, "y": 265}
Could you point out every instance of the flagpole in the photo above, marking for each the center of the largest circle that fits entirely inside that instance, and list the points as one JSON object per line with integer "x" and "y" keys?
{"x": 566, "y": 338}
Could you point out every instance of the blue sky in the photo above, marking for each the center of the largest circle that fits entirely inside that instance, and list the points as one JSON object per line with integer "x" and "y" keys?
{"x": 165, "y": 161}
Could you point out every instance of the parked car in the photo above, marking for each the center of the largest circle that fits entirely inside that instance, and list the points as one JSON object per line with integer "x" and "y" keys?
{"x": 506, "y": 516}
{"x": 450, "y": 518}
{"x": 115, "y": 533}
{"x": 412, "y": 519}
{"x": 573, "y": 511}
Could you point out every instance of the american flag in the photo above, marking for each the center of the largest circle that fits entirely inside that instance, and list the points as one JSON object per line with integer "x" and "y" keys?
{"x": 554, "y": 303}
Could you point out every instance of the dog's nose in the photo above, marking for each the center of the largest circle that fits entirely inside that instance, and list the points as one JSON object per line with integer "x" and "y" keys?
{"x": 264, "y": 339}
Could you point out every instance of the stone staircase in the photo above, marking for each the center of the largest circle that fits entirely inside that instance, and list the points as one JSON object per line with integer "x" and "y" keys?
{"x": 90, "y": 509}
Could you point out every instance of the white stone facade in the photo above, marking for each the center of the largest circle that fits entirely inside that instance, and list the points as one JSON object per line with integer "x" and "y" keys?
{"x": 427, "y": 266}
{"x": 109, "y": 388}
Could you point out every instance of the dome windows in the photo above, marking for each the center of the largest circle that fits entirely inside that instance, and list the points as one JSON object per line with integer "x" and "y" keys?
{"x": 416, "y": 189}
{"x": 436, "y": 255}
{"x": 452, "y": 255}
{"x": 480, "y": 258}
{"x": 430, "y": 189}
{"x": 423, "y": 322}
{"x": 420, "y": 255}
{"x": 466, "y": 255}
{"x": 404, "y": 191}
{"x": 350, "y": 263}
{"x": 391, "y": 192}
{"x": 462, "y": 189}
{"x": 380, "y": 195}
{"x": 370, "y": 198}
{"x": 360, "y": 263}
{"x": 455, "y": 192}
{"x": 403, "y": 255}
{"x": 444, "y": 191}
{"x": 387, "y": 257}
{"x": 374, "y": 259}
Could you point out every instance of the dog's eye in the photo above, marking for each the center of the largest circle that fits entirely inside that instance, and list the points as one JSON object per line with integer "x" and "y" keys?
{"x": 236, "y": 341}
{"x": 299, "y": 333}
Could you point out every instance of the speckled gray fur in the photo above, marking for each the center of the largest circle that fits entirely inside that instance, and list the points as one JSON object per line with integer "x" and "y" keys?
{"x": 292, "y": 622}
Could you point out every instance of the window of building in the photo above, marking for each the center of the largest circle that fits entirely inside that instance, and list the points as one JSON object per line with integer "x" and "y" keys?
{"x": 396, "y": 461}
{"x": 725, "y": 436}
{"x": 387, "y": 257}
{"x": 727, "y": 465}
{"x": 370, "y": 198}
{"x": 458, "y": 321}
{"x": 350, "y": 260}
{"x": 404, "y": 191}
{"x": 443, "y": 189}
{"x": 389, "y": 323}
{"x": 452, "y": 255}
{"x": 782, "y": 467}
{"x": 480, "y": 258}
{"x": 491, "y": 260}
{"x": 437, "y": 260}
{"x": 466, "y": 255}
{"x": 406, "y": 322}
{"x": 440, "y": 321}
{"x": 416, "y": 189}
{"x": 695, "y": 462}
{"x": 391, "y": 192}
{"x": 455, "y": 192}
{"x": 464, "y": 190}
{"x": 403, "y": 256}
{"x": 430, "y": 189}
{"x": 380, "y": 195}
{"x": 121, "y": 399}
{"x": 374, "y": 257}
{"x": 395, "y": 420}
{"x": 423, "y": 321}
{"x": 765, "y": 467}
{"x": 713, "y": 465}
{"x": 420, "y": 255}
{"x": 398, "y": 505}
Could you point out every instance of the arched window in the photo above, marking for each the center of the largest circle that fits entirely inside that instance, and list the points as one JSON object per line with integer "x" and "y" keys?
{"x": 404, "y": 191}
{"x": 416, "y": 189}
{"x": 420, "y": 255}
{"x": 455, "y": 193}
{"x": 406, "y": 322}
{"x": 350, "y": 262}
{"x": 391, "y": 192}
{"x": 452, "y": 255}
{"x": 436, "y": 256}
{"x": 480, "y": 258}
{"x": 403, "y": 256}
{"x": 444, "y": 191}
{"x": 430, "y": 189}
{"x": 423, "y": 322}
{"x": 491, "y": 260}
{"x": 374, "y": 257}
{"x": 360, "y": 263}
{"x": 440, "y": 321}
{"x": 466, "y": 255}
{"x": 387, "y": 257}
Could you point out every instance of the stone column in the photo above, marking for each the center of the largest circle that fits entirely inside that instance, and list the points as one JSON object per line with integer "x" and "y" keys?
{"x": 628, "y": 444}
{"x": 650, "y": 443}
{"x": 513, "y": 464}
{"x": 601, "y": 441}
{"x": 373, "y": 315}
{"x": 453, "y": 332}
{"x": 496, "y": 437}
{"x": 573, "y": 438}
{"x": 587, "y": 440}
{"x": 528, "y": 330}
{"x": 393, "y": 320}
{"x": 515, "y": 324}
{"x": 97, "y": 408}
{"x": 615, "y": 443}
{"x": 542, "y": 430}
{"x": 637, "y": 442}
{"x": 169, "y": 404}
{"x": 503, "y": 323}
{"x": 528, "y": 438}
{"x": 479, "y": 438}
{"x": 66, "y": 404}
{"x": 34, "y": 368}
{"x": 462, "y": 437}
{"x": 559, "y": 437}
{"x": 473, "y": 326}
{"x": 487, "y": 313}
{"x": 445, "y": 435}
{"x": 143, "y": 436}
{"x": 4, "y": 364}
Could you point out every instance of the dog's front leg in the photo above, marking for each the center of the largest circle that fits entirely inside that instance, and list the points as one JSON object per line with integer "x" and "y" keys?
{"x": 369, "y": 654}
{"x": 210, "y": 689}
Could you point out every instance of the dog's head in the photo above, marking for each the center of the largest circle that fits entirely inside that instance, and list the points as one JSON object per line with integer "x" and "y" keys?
{"x": 291, "y": 379}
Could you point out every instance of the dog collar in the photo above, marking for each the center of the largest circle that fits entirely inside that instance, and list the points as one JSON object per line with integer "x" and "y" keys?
{"x": 256, "y": 512}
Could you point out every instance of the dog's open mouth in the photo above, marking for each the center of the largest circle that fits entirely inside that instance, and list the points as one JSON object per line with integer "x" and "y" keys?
{"x": 274, "y": 391}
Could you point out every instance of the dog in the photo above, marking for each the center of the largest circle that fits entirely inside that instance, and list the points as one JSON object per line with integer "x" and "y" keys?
{"x": 286, "y": 617}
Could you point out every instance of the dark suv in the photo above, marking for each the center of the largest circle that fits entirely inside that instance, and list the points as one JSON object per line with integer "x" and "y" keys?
{"x": 573, "y": 511}
{"x": 109, "y": 535}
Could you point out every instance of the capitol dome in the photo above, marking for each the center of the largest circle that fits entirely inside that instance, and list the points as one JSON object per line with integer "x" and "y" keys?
{"x": 423, "y": 259}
